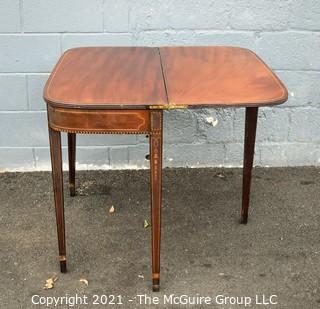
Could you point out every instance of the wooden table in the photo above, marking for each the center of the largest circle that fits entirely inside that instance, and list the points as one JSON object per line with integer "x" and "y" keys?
{"x": 124, "y": 90}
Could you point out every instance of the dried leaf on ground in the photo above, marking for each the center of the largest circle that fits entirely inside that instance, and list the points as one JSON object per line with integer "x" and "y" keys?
{"x": 146, "y": 224}
{"x": 220, "y": 175}
{"x": 50, "y": 282}
{"x": 84, "y": 281}
{"x": 112, "y": 209}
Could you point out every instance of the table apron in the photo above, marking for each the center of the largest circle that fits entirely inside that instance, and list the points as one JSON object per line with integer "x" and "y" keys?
{"x": 99, "y": 121}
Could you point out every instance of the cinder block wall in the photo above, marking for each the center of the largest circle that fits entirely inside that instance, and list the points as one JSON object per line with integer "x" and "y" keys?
{"x": 286, "y": 33}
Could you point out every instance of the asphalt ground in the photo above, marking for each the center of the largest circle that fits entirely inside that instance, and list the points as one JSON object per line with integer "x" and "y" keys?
{"x": 205, "y": 251}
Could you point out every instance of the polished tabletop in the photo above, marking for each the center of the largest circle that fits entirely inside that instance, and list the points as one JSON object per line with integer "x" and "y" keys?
{"x": 165, "y": 77}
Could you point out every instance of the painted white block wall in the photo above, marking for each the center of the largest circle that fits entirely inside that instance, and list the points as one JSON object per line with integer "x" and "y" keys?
{"x": 285, "y": 33}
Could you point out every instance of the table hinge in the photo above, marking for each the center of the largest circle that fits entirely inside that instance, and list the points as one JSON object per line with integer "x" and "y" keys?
{"x": 167, "y": 107}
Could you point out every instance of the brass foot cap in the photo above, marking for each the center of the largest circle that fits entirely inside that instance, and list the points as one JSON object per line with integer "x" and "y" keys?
{"x": 156, "y": 288}
{"x": 155, "y": 285}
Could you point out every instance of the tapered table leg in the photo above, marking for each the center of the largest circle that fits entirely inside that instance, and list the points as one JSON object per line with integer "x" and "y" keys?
{"x": 156, "y": 190}
{"x": 57, "y": 178}
{"x": 249, "y": 143}
{"x": 72, "y": 162}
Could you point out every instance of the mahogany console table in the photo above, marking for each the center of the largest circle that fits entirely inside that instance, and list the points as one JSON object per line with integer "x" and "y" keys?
{"x": 124, "y": 90}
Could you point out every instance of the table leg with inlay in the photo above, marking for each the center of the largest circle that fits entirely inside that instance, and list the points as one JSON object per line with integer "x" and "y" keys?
{"x": 57, "y": 178}
{"x": 72, "y": 163}
{"x": 155, "y": 137}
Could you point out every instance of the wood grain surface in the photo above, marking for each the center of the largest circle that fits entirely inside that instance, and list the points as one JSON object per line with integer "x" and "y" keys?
{"x": 94, "y": 77}
{"x": 219, "y": 76}
{"x": 99, "y": 121}
{"x": 164, "y": 78}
